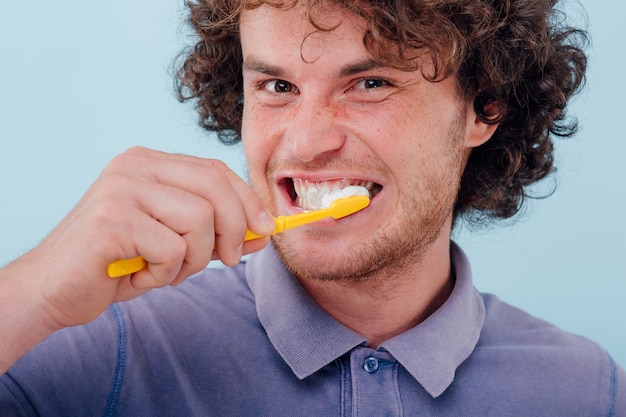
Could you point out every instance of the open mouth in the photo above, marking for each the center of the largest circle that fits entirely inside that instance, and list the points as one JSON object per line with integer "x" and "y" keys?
{"x": 313, "y": 195}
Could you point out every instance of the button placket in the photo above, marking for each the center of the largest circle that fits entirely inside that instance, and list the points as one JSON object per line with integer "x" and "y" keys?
{"x": 374, "y": 383}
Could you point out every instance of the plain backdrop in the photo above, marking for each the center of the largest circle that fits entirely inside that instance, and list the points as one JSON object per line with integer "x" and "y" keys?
{"x": 82, "y": 81}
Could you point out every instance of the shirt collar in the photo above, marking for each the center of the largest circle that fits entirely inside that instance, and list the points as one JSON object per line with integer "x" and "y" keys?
{"x": 308, "y": 339}
{"x": 305, "y": 335}
{"x": 433, "y": 350}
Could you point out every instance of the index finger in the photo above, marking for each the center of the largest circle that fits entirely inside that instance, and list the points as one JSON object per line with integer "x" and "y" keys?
{"x": 235, "y": 205}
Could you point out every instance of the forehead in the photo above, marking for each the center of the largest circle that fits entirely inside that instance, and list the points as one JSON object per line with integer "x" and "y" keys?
{"x": 325, "y": 15}
{"x": 289, "y": 32}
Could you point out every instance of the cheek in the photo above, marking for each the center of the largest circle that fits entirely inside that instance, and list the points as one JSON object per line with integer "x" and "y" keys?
{"x": 252, "y": 136}
{"x": 254, "y": 132}
{"x": 400, "y": 137}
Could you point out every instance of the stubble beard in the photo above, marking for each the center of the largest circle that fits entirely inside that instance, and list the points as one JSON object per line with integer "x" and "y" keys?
{"x": 426, "y": 211}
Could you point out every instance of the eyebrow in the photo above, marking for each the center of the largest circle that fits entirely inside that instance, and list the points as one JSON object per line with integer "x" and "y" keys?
{"x": 359, "y": 67}
{"x": 257, "y": 65}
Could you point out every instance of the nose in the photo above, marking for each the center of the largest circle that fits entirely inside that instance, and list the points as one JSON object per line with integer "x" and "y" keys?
{"x": 315, "y": 130}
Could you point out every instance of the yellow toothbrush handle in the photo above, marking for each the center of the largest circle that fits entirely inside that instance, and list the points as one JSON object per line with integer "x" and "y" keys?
{"x": 123, "y": 267}
{"x": 338, "y": 208}
{"x": 250, "y": 235}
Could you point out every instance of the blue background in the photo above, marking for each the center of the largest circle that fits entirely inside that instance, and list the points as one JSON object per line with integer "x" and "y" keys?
{"x": 82, "y": 81}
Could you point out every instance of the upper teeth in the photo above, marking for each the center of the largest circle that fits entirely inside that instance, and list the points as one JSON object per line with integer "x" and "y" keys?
{"x": 313, "y": 195}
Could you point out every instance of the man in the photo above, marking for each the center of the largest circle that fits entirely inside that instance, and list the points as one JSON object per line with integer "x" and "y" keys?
{"x": 441, "y": 111}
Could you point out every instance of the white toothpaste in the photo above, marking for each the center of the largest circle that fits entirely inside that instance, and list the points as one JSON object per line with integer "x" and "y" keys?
{"x": 348, "y": 191}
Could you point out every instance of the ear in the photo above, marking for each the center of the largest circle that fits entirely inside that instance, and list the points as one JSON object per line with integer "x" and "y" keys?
{"x": 479, "y": 131}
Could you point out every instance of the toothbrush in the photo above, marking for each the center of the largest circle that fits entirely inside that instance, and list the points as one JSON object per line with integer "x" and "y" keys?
{"x": 337, "y": 209}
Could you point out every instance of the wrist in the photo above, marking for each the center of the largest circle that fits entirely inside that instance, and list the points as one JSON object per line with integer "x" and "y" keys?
{"x": 25, "y": 319}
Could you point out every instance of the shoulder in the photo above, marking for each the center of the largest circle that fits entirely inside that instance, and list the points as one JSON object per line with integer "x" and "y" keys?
{"x": 69, "y": 373}
{"x": 216, "y": 300}
{"x": 211, "y": 288}
{"x": 544, "y": 362}
{"x": 508, "y": 326}
{"x": 82, "y": 368}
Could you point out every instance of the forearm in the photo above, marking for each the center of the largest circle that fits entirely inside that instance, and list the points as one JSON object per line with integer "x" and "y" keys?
{"x": 173, "y": 210}
{"x": 25, "y": 322}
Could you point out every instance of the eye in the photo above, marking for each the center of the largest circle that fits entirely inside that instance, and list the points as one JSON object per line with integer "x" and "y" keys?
{"x": 370, "y": 83}
{"x": 279, "y": 86}
{"x": 370, "y": 90}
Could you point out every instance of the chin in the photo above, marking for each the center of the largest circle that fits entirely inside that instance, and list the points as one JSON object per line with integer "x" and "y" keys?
{"x": 348, "y": 261}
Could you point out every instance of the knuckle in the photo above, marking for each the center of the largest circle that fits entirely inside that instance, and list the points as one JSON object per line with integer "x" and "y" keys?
{"x": 136, "y": 150}
{"x": 119, "y": 162}
{"x": 114, "y": 192}
{"x": 132, "y": 156}
{"x": 216, "y": 165}
{"x": 114, "y": 182}
{"x": 214, "y": 168}
{"x": 176, "y": 251}
{"x": 204, "y": 215}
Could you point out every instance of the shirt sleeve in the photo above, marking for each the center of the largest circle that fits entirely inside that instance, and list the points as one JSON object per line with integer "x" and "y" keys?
{"x": 73, "y": 372}
{"x": 619, "y": 391}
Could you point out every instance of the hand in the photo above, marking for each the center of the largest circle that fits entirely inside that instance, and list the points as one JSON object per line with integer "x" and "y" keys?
{"x": 170, "y": 209}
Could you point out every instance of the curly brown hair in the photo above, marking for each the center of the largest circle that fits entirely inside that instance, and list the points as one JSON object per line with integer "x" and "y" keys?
{"x": 517, "y": 59}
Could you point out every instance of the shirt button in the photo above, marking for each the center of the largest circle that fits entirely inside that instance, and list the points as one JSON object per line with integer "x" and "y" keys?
{"x": 370, "y": 364}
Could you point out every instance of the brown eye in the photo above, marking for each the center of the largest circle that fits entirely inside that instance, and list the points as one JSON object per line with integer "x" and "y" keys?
{"x": 373, "y": 83}
{"x": 279, "y": 86}
{"x": 283, "y": 87}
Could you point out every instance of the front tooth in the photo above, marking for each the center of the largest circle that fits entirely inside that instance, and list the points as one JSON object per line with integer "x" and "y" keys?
{"x": 349, "y": 191}
{"x": 316, "y": 195}
{"x": 312, "y": 197}
{"x": 324, "y": 188}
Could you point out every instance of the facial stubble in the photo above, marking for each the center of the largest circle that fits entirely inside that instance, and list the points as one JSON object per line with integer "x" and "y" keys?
{"x": 425, "y": 213}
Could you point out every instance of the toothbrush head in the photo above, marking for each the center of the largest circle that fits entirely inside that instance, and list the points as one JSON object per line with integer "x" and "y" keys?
{"x": 343, "y": 207}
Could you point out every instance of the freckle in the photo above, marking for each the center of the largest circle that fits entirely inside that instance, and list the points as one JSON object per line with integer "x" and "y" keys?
{"x": 338, "y": 111}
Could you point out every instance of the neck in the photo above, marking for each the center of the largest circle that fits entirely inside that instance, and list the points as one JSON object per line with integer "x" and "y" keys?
{"x": 385, "y": 306}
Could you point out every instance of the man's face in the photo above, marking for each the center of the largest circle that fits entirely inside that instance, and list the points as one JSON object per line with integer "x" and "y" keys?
{"x": 319, "y": 112}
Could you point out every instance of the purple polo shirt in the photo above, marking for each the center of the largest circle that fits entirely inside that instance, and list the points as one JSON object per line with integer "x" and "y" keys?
{"x": 249, "y": 341}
